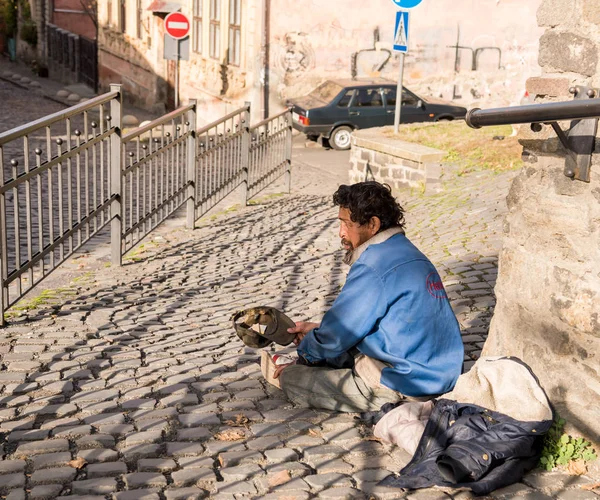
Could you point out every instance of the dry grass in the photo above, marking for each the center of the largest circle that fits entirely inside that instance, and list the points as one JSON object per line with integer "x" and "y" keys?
{"x": 470, "y": 149}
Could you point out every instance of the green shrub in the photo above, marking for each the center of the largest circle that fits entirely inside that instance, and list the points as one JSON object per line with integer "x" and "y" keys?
{"x": 8, "y": 13}
{"x": 560, "y": 449}
{"x": 28, "y": 33}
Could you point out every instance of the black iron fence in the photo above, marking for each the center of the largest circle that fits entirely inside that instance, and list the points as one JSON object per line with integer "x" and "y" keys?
{"x": 75, "y": 56}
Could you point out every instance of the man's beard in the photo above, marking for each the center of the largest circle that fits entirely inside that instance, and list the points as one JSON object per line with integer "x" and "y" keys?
{"x": 349, "y": 251}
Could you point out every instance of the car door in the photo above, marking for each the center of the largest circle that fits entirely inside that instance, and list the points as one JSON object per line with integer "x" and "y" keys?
{"x": 338, "y": 109}
{"x": 366, "y": 108}
{"x": 411, "y": 111}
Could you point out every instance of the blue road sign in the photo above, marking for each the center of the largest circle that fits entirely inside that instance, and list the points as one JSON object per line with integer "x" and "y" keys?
{"x": 407, "y": 4}
{"x": 401, "y": 32}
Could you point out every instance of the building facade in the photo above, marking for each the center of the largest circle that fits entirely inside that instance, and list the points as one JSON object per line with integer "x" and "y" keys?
{"x": 266, "y": 51}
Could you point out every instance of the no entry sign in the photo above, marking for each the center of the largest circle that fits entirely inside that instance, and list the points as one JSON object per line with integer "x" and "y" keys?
{"x": 177, "y": 25}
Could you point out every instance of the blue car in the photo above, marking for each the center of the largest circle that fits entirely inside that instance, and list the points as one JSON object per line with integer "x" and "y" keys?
{"x": 337, "y": 107}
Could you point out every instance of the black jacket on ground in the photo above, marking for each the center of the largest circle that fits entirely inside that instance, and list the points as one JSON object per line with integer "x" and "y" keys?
{"x": 466, "y": 445}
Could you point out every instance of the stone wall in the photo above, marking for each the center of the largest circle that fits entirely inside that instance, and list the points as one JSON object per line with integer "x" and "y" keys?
{"x": 548, "y": 291}
{"x": 377, "y": 155}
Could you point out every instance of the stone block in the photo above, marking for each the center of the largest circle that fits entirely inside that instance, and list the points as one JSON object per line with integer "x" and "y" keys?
{"x": 16, "y": 495}
{"x": 568, "y": 52}
{"x": 331, "y": 480}
{"x": 148, "y": 494}
{"x": 230, "y": 459}
{"x": 143, "y": 438}
{"x": 96, "y": 441}
{"x": 591, "y": 11}
{"x": 140, "y": 451}
{"x": 555, "y": 12}
{"x": 145, "y": 480}
{"x": 190, "y": 477}
{"x": 51, "y": 460}
{"x": 102, "y": 486}
{"x": 42, "y": 447}
{"x": 62, "y": 475}
{"x": 190, "y": 493}
{"x": 184, "y": 449}
{"x": 11, "y": 481}
{"x": 98, "y": 455}
{"x": 107, "y": 469}
{"x": 194, "y": 434}
{"x": 156, "y": 465}
{"x": 12, "y": 466}
{"x": 196, "y": 462}
{"x": 552, "y": 87}
{"x": 47, "y": 492}
{"x": 410, "y": 164}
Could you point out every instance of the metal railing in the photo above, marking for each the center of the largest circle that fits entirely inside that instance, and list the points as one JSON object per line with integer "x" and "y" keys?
{"x": 270, "y": 152}
{"x": 222, "y": 160}
{"x": 154, "y": 177}
{"x": 54, "y": 190}
{"x": 67, "y": 175}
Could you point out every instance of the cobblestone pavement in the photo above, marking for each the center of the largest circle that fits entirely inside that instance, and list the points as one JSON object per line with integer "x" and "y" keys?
{"x": 130, "y": 383}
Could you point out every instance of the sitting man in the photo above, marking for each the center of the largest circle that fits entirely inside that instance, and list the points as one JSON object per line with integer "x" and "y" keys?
{"x": 391, "y": 333}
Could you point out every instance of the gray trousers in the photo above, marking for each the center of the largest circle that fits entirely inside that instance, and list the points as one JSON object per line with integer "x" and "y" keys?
{"x": 333, "y": 389}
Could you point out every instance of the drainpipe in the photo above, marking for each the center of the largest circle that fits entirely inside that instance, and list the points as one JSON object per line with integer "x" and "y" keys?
{"x": 266, "y": 56}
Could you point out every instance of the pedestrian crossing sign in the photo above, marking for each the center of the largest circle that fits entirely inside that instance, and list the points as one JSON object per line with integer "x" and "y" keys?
{"x": 401, "y": 32}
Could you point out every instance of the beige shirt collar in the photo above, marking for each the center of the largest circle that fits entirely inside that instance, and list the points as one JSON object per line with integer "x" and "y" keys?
{"x": 378, "y": 238}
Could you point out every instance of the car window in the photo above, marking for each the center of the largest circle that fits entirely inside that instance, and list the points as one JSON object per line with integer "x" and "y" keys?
{"x": 407, "y": 99}
{"x": 368, "y": 97}
{"x": 346, "y": 98}
{"x": 326, "y": 91}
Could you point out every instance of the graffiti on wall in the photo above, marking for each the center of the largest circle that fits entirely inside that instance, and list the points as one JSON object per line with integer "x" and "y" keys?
{"x": 293, "y": 57}
{"x": 370, "y": 61}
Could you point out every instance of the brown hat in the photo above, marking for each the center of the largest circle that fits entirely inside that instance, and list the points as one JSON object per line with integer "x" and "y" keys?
{"x": 260, "y": 326}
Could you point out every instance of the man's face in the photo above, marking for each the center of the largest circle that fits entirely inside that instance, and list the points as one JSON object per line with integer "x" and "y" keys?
{"x": 352, "y": 233}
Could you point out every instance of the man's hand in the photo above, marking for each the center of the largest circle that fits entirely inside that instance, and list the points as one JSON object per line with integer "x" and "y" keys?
{"x": 301, "y": 329}
{"x": 280, "y": 368}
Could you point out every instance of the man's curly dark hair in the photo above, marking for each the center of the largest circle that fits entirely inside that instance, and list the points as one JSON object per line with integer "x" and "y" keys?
{"x": 368, "y": 199}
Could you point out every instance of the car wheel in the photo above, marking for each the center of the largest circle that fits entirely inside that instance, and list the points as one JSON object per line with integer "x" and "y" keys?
{"x": 340, "y": 139}
{"x": 445, "y": 119}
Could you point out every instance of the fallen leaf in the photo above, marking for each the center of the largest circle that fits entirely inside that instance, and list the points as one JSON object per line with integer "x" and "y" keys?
{"x": 78, "y": 463}
{"x": 314, "y": 433}
{"x": 577, "y": 468}
{"x": 241, "y": 420}
{"x": 281, "y": 477}
{"x": 591, "y": 486}
{"x": 230, "y": 435}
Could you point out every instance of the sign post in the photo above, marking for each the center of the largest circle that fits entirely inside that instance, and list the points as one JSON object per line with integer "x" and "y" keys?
{"x": 177, "y": 26}
{"x": 401, "y": 45}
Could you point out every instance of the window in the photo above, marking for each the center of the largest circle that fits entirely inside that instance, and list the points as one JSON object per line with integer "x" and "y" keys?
{"x": 109, "y": 17}
{"x": 214, "y": 32}
{"x": 235, "y": 31}
{"x": 326, "y": 91}
{"x": 368, "y": 98}
{"x": 123, "y": 17}
{"x": 197, "y": 27}
{"x": 345, "y": 100}
{"x": 138, "y": 26}
{"x": 408, "y": 99}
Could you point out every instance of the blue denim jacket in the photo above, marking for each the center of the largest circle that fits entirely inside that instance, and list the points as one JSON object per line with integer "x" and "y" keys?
{"x": 393, "y": 308}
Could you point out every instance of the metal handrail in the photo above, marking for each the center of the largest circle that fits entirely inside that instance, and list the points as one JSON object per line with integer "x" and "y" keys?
{"x": 270, "y": 119}
{"x": 534, "y": 113}
{"x": 15, "y": 133}
{"x": 231, "y": 115}
{"x": 155, "y": 123}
